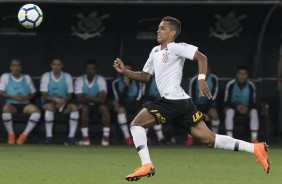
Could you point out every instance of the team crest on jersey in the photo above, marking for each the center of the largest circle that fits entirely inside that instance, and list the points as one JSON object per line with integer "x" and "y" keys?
{"x": 165, "y": 57}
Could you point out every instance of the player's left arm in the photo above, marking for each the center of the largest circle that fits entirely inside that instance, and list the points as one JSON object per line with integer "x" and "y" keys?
{"x": 203, "y": 68}
{"x": 140, "y": 76}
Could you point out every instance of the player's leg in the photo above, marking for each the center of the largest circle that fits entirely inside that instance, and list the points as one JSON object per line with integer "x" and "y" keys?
{"x": 84, "y": 122}
{"x": 229, "y": 122}
{"x": 7, "y": 112}
{"x": 122, "y": 121}
{"x": 214, "y": 118}
{"x": 142, "y": 121}
{"x": 254, "y": 125}
{"x": 49, "y": 121}
{"x": 73, "y": 121}
{"x": 34, "y": 118}
{"x": 106, "y": 120}
{"x": 201, "y": 132}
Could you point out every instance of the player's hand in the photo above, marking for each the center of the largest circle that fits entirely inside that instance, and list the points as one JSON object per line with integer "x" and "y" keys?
{"x": 20, "y": 98}
{"x": 119, "y": 66}
{"x": 59, "y": 101}
{"x": 242, "y": 109}
{"x": 204, "y": 89}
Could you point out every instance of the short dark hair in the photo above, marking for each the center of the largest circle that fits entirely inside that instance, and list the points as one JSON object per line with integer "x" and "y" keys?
{"x": 90, "y": 62}
{"x": 16, "y": 59}
{"x": 241, "y": 67}
{"x": 175, "y": 23}
{"x": 56, "y": 58}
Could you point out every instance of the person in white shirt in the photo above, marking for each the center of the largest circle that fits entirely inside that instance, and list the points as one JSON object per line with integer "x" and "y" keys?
{"x": 166, "y": 61}
{"x": 91, "y": 92}
{"x": 17, "y": 89}
{"x": 57, "y": 88}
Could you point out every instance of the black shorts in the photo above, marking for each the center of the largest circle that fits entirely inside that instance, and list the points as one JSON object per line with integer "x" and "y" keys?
{"x": 177, "y": 111}
{"x": 93, "y": 108}
{"x": 19, "y": 107}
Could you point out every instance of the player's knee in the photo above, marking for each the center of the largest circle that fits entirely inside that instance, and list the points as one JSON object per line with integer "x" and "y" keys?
{"x": 73, "y": 107}
{"x": 84, "y": 110}
{"x": 121, "y": 110}
{"x": 49, "y": 107}
{"x": 7, "y": 108}
{"x": 103, "y": 109}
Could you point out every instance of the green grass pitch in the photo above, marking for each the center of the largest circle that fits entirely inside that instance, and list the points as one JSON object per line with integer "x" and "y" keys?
{"x": 39, "y": 164}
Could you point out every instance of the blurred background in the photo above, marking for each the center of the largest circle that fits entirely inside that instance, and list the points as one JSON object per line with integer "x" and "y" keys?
{"x": 229, "y": 33}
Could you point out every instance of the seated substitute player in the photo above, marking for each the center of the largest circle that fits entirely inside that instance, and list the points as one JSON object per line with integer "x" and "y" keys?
{"x": 57, "y": 88}
{"x": 91, "y": 92}
{"x": 240, "y": 98}
{"x": 127, "y": 100}
{"x": 151, "y": 93}
{"x": 204, "y": 105}
{"x": 166, "y": 61}
{"x": 18, "y": 90}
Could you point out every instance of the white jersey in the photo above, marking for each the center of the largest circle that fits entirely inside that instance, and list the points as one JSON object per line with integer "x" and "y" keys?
{"x": 5, "y": 80}
{"x": 81, "y": 81}
{"x": 45, "y": 81}
{"x": 167, "y": 64}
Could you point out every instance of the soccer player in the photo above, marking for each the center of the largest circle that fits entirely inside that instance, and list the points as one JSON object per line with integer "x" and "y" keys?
{"x": 57, "y": 88}
{"x": 91, "y": 92}
{"x": 127, "y": 100}
{"x": 206, "y": 106}
{"x": 150, "y": 93}
{"x": 240, "y": 98}
{"x": 166, "y": 61}
{"x": 18, "y": 90}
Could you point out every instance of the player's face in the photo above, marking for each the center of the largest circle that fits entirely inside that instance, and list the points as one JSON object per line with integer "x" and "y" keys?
{"x": 16, "y": 67}
{"x": 165, "y": 34}
{"x": 242, "y": 76}
{"x": 90, "y": 70}
{"x": 56, "y": 65}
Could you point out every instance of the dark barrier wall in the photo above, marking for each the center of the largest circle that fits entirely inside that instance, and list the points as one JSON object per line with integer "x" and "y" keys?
{"x": 228, "y": 35}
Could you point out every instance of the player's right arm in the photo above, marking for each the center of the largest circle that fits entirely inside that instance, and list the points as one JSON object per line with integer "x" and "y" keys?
{"x": 135, "y": 75}
{"x": 44, "y": 89}
{"x": 3, "y": 84}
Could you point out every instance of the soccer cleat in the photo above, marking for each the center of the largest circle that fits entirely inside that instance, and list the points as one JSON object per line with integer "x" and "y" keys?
{"x": 11, "y": 138}
{"x": 128, "y": 141}
{"x": 260, "y": 152}
{"x": 21, "y": 139}
{"x": 84, "y": 143}
{"x": 105, "y": 141}
{"x": 48, "y": 140}
{"x": 71, "y": 141}
{"x": 144, "y": 170}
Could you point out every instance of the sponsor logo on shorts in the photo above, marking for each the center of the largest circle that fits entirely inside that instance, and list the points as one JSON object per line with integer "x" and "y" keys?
{"x": 159, "y": 117}
{"x": 197, "y": 116}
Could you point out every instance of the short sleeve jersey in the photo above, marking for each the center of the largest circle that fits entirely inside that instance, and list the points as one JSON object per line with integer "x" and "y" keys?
{"x": 167, "y": 65}
{"x": 97, "y": 85}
